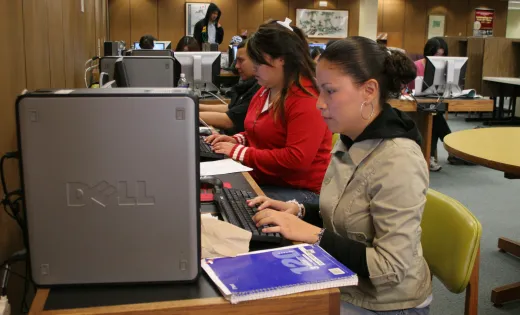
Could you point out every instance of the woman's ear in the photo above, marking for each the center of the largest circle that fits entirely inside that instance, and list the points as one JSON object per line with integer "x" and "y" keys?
{"x": 278, "y": 62}
{"x": 370, "y": 90}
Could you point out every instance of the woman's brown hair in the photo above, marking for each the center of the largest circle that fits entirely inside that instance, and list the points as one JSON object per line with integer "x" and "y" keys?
{"x": 278, "y": 41}
{"x": 363, "y": 59}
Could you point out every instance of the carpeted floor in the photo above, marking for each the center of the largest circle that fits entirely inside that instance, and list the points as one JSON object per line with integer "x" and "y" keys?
{"x": 495, "y": 201}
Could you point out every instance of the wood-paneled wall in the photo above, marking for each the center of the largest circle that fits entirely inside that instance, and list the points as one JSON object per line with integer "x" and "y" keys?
{"x": 406, "y": 21}
{"x": 130, "y": 19}
{"x": 49, "y": 42}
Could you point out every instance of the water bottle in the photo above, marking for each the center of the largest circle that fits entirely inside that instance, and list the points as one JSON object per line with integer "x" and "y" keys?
{"x": 183, "y": 83}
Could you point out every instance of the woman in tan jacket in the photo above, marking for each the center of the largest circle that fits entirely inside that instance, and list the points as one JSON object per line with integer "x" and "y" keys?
{"x": 373, "y": 194}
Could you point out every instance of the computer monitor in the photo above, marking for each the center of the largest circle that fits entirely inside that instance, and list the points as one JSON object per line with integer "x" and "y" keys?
{"x": 166, "y": 44}
{"x": 121, "y": 74}
{"x": 232, "y": 53}
{"x": 143, "y": 71}
{"x": 150, "y": 52}
{"x": 444, "y": 76}
{"x": 320, "y": 45}
{"x": 201, "y": 69}
{"x": 157, "y": 45}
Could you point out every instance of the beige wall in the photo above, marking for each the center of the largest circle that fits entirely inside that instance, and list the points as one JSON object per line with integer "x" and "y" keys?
{"x": 49, "y": 42}
{"x": 513, "y": 24}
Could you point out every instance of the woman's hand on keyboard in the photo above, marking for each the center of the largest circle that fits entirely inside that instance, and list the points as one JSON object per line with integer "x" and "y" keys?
{"x": 288, "y": 225}
{"x": 223, "y": 148}
{"x": 263, "y": 202}
{"x": 216, "y": 138}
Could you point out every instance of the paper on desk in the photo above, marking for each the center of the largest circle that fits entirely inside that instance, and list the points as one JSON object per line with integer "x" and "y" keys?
{"x": 226, "y": 166}
{"x": 221, "y": 239}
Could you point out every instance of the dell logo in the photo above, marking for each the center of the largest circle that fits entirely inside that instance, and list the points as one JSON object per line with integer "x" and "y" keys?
{"x": 103, "y": 194}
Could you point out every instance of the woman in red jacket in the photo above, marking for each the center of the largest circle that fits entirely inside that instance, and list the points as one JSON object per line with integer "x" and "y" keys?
{"x": 286, "y": 141}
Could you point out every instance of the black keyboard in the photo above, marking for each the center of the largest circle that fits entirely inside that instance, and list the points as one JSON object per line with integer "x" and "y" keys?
{"x": 233, "y": 207}
{"x": 206, "y": 151}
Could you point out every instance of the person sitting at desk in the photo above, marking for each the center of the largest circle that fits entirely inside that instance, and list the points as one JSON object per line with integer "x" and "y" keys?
{"x": 374, "y": 191}
{"x": 436, "y": 46}
{"x": 230, "y": 118}
{"x": 147, "y": 42}
{"x": 285, "y": 140}
{"x": 187, "y": 43}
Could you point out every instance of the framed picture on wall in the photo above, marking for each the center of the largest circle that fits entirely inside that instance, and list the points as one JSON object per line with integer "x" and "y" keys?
{"x": 195, "y": 11}
{"x": 323, "y": 23}
{"x": 436, "y": 25}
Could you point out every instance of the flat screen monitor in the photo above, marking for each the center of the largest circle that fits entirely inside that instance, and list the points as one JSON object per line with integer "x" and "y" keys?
{"x": 319, "y": 45}
{"x": 444, "y": 75}
{"x": 121, "y": 74}
{"x": 143, "y": 71}
{"x": 232, "y": 53}
{"x": 150, "y": 52}
{"x": 166, "y": 44}
{"x": 201, "y": 69}
{"x": 156, "y": 45}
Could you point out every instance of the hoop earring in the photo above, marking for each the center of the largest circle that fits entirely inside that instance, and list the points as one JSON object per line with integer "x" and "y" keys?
{"x": 371, "y": 112}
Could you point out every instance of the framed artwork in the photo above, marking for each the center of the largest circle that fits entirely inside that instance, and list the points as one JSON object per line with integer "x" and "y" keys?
{"x": 436, "y": 25}
{"x": 323, "y": 23}
{"x": 195, "y": 11}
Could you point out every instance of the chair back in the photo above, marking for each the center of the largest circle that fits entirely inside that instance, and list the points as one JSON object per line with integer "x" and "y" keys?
{"x": 335, "y": 137}
{"x": 450, "y": 240}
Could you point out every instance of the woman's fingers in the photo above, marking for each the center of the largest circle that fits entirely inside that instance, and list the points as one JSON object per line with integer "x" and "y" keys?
{"x": 272, "y": 229}
{"x": 257, "y": 201}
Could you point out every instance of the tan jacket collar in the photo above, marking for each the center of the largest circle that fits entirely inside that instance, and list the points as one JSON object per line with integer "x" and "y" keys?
{"x": 359, "y": 150}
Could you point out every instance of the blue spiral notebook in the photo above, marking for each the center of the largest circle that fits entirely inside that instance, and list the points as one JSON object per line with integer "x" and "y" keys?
{"x": 280, "y": 271}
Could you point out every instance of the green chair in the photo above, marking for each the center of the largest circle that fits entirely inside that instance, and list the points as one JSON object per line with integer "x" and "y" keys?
{"x": 335, "y": 137}
{"x": 451, "y": 246}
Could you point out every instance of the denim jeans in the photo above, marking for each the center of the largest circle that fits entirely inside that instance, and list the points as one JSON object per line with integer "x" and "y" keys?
{"x": 350, "y": 309}
{"x": 285, "y": 194}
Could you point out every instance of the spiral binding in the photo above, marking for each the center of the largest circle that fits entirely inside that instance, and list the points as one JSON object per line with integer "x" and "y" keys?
{"x": 291, "y": 289}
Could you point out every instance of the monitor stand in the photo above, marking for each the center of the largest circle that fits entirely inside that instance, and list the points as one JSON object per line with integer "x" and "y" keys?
{"x": 452, "y": 90}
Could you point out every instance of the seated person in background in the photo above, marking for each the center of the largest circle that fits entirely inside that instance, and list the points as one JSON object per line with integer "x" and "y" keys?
{"x": 230, "y": 118}
{"x": 187, "y": 43}
{"x": 316, "y": 53}
{"x": 373, "y": 195}
{"x": 285, "y": 141}
{"x": 436, "y": 46}
{"x": 147, "y": 42}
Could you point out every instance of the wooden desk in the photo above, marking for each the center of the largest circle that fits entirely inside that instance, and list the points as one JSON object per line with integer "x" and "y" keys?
{"x": 307, "y": 303}
{"x": 454, "y": 105}
{"x": 502, "y": 87}
{"x": 499, "y": 149}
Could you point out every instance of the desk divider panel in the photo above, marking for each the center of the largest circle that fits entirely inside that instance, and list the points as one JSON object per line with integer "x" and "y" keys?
{"x": 500, "y": 59}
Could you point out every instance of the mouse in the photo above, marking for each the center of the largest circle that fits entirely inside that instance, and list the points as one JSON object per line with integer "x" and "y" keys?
{"x": 205, "y": 131}
{"x": 212, "y": 181}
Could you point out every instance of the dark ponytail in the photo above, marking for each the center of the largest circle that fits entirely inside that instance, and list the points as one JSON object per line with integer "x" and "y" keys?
{"x": 363, "y": 59}
{"x": 399, "y": 71}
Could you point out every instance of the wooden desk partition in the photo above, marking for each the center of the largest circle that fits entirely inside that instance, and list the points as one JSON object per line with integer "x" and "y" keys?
{"x": 501, "y": 59}
{"x": 307, "y": 303}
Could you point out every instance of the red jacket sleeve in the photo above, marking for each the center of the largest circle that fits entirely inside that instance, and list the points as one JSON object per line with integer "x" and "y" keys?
{"x": 241, "y": 138}
{"x": 305, "y": 132}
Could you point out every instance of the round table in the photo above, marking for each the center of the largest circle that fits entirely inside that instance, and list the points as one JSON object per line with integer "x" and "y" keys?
{"x": 499, "y": 149}
{"x": 496, "y": 148}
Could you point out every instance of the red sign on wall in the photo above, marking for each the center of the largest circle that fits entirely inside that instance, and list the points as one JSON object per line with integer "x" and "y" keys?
{"x": 483, "y": 22}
